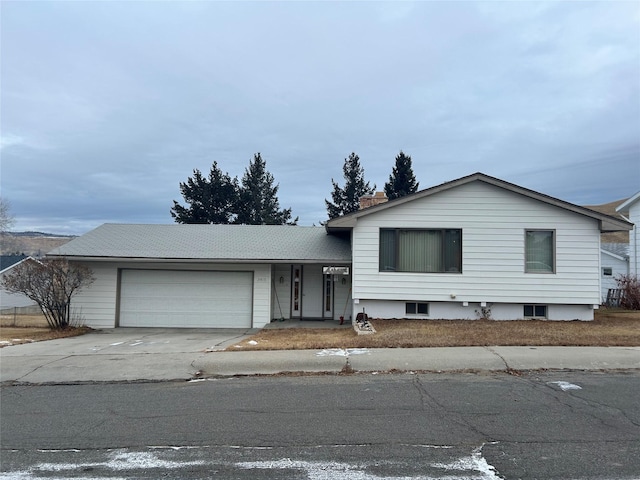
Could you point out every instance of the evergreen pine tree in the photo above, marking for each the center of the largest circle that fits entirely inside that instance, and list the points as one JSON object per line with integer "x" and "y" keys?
{"x": 347, "y": 199}
{"x": 211, "y": 200}
{"x": 402, "y": 181}
{"x": 259, "y": 203}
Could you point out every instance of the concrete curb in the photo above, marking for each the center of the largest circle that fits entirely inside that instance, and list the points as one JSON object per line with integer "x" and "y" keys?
{"x": 446, "y": 359}
{"x": 158, "y": 362}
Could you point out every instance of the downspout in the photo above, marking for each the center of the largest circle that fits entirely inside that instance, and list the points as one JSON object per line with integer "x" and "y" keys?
{"x": 602, "y": 300}
{"x": 635, "y": 246}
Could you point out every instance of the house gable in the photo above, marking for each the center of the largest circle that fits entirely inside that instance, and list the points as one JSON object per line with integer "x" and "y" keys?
{"x": 606, "y": 223}
{"x": 632, "y": 208}
{"x": 627, "y": 204}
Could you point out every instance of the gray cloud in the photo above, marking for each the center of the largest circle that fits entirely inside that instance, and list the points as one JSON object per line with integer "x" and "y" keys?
{"x": 107, "y": 106}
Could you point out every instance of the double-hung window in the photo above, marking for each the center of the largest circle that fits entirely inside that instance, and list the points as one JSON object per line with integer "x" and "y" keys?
{"x": 420, "y": 250}
{"x": 539, "y": 251}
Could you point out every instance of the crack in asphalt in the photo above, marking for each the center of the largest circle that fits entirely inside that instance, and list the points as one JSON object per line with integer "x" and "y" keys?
{"x": 455, "y": 416}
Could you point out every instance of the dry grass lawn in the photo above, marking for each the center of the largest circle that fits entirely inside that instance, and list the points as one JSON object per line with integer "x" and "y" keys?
{"x": 610, "y": 328}
{"x": 31, "y": 328}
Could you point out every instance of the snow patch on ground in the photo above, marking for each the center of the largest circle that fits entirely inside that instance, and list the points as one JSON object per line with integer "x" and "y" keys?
{"x": 473, "y": 463}
{"x": 8, "y": 343}
{"x": 342, "y": 352}
{"x": 471, "y": 467}
{"x": 564, "y": 386}
{"x": 176, "y": 447}
{"x": 120, "y": 460}
{"x": 475, "y": 467}
{"x": 54, "y": 450}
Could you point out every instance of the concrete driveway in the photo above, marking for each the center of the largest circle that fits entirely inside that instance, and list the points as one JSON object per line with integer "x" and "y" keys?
{"x": 115, "y": 354}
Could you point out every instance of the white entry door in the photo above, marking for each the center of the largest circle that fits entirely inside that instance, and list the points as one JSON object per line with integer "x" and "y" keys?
{"x": 307, "y": 292}
{"x": 312, "y": 288}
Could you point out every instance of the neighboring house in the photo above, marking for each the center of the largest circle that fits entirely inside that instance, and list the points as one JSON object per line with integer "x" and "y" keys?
{"x": 467, "y": 248}
{"x": 614, "y": 261}
{"x": 12, "y": 300}
{"x": 632, "y": 208}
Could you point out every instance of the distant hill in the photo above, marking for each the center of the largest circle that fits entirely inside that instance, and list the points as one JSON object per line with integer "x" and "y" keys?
{"x": 35, "y": 244}
{"x": 610, "y": 209}
{"x": 39, "y": 234}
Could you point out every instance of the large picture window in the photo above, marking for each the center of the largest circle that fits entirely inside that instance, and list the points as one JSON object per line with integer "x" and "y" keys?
{"x": 539, "y": 251}
{"x": 423, "y": 251}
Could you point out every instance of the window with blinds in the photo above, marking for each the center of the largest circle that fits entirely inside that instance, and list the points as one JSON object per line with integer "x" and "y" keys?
{"x": 539, "y": 251}
{"x": 422, "y": 251}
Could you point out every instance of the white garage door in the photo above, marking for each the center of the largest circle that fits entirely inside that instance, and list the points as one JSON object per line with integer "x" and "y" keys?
{"x": 166, "y": 298}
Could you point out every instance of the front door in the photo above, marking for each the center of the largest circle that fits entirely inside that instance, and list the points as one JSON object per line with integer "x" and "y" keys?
{"x": 308, "y": 299}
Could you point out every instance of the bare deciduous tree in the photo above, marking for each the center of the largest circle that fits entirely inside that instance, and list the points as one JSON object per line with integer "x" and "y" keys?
{"x": 6, "y": 219}
{"x": 50, "y": 283}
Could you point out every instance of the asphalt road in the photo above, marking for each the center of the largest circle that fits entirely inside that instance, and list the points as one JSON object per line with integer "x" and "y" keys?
{"x": 360, "y": 427}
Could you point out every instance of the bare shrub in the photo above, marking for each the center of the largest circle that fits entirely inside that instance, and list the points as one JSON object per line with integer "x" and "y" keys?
{"x": 630, "y": 286}
{"x": 50, "y": 283}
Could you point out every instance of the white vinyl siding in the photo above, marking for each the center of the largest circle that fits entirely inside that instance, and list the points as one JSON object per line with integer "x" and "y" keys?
{"x": 342, "y": 302}
{"x": 97, "y": 303}
{"x": 493, "y": 223}
{"x": 634, "y": 239}
{"x": 281, "y": 292}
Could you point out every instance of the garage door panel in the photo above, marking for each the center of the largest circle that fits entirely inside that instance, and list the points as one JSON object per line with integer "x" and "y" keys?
{"x": 193, "y": 299}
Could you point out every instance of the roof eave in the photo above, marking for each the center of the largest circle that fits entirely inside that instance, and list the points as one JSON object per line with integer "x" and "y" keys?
{"x": 624, "y": 206}
{"x": 614, "y": 255}
{"x": 124, "y": 259}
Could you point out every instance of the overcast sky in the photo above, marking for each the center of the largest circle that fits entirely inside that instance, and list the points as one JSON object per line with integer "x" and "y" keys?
{"x": 107, "y": 106}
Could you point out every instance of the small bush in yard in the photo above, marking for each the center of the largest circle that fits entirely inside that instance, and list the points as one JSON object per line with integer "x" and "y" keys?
{"x": 50, "y": 283}
{"x": 630, "y": 286}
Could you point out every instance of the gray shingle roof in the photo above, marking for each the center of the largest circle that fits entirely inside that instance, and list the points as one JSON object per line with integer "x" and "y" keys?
{"x": 278, "y": 243}
{"x": 7, "y": 261}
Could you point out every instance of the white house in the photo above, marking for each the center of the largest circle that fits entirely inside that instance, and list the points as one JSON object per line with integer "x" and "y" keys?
{"x": 614, "y": 261}
{"x": 632, "y": 208}
{"x": 476, "y": 246}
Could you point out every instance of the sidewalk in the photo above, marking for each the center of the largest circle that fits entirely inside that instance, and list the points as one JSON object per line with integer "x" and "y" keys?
{"x": 451, "y": 359}
{"x": 145, "y": 355}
